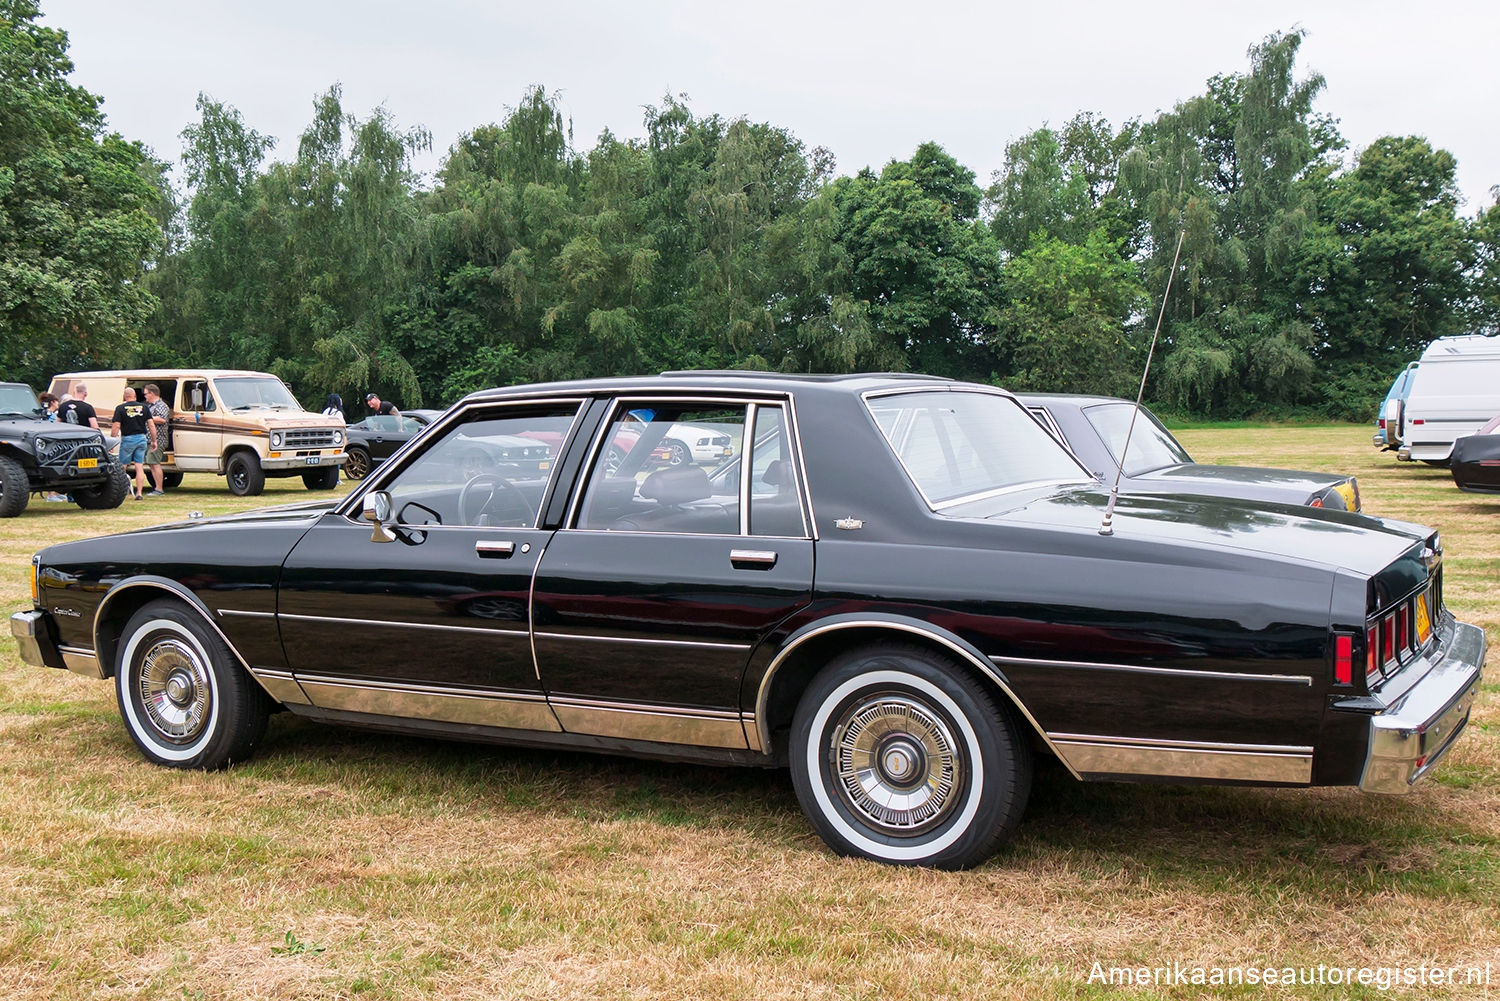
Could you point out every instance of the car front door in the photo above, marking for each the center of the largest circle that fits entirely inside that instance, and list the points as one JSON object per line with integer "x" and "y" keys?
{"x": 434, "y": 623}
{"x": 651, "y": 598}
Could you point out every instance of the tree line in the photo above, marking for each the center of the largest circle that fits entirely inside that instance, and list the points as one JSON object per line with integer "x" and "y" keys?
{"x": 1308, "y": 274}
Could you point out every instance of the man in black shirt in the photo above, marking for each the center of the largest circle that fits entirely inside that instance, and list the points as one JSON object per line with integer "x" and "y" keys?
{"x": 132, "y": 422}
{"x": 78, "y": 411}
{"x": 376, "y": 407}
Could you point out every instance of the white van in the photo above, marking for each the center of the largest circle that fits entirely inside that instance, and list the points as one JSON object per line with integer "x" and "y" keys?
{"x": 1457, "y": 389}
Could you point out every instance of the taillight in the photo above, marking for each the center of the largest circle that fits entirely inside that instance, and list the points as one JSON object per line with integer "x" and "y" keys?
{"x": 1372, "y": 654}
{"x": 1315, "y": 502}
{"x": 1343, "y": 660}
{"x": 1388, "y": 639}
{"x": 1403, "y": 627}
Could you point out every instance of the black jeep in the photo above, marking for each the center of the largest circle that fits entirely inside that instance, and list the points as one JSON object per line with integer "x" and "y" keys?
{"x": 37, "y": 455}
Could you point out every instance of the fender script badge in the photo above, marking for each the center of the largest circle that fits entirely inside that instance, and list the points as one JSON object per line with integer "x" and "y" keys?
{"x": 849, "y": 524}
{"x": 71, "y": 613}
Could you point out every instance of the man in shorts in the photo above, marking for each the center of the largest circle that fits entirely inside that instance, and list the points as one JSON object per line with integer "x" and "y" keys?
{"x": 132, "y": 424}
{"x": 161, "y": 423}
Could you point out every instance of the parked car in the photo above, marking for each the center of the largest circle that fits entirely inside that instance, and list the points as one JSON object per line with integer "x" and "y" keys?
{"x": 1094, "y": 427}
{"x": 372, "y": 440}
{"x": 1456, "y": 389}
{"x": 244, "y": 426}
{"x": 906, "y": 621}
{"x": 1389, "y": 426}
{"x": 1476, "y": 460}
{"x": 38, "y": 455}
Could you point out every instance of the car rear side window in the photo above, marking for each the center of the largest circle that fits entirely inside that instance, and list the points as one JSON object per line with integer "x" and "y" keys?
{"x": 667, "y": 466}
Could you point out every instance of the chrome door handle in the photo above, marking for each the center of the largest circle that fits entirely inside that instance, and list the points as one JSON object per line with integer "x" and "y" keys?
{"x": 493, "y": 549}
{"x": 758, "y": 559}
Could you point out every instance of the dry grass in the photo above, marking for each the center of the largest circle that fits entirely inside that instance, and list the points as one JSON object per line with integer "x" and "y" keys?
{"x": 339, "y": 865}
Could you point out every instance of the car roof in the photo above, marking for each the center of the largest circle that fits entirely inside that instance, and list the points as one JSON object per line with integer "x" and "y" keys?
{"x": 719, "y": 381}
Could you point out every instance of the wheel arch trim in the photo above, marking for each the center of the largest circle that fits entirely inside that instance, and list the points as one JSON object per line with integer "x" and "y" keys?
{"x": 170, "y": 587}
{"x": 965, "y": 651}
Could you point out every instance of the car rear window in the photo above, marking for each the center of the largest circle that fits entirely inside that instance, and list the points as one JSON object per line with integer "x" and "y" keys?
{"x": 957, "y": 445}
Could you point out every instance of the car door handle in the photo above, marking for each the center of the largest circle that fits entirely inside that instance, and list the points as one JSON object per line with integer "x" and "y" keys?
{"x": 493, "y": 549}
{"x": 753, "y": 559}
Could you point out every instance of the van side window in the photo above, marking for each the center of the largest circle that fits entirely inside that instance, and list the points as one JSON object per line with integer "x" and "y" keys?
{"x": 197, "y": 396}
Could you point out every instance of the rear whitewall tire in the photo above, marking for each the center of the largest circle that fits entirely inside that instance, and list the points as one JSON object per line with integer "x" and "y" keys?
{"x": 952, "y": 774}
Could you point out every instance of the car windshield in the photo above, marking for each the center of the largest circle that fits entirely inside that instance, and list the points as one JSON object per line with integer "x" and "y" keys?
{"x": 1151, "y": 445}
{"x": 958, "y": 445}
{"x": 247, "y": 392}
{"x": 17, "y": 400}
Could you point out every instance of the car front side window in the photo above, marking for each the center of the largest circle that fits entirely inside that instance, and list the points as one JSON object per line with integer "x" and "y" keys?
{"x": 489, "y": 470}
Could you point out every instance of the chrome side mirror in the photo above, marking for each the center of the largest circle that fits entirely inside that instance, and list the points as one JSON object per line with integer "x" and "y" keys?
{"x": 377, "y": 512}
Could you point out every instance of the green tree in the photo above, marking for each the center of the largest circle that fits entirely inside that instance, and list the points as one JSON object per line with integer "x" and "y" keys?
{"x": 1067, "y": 318}
{"x": 77, "y": 212}
{"x": 921, "y": 263}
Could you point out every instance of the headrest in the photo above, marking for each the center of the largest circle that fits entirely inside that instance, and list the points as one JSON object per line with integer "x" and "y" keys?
{"x": 676, "y": 485}
{"x": 772, "y": 475}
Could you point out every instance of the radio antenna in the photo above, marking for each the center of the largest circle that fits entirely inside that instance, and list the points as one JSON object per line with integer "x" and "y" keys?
{"x": 1114, "y": 492}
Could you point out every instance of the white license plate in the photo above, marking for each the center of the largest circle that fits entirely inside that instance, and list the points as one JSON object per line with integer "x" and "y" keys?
{"x": 313, "y": 460}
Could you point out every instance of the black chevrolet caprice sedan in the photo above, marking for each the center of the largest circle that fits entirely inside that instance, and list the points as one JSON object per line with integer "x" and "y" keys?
{"x": 907, "y": 624}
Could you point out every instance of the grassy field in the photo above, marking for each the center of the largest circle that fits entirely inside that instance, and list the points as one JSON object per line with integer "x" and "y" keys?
{"x": 347, "y": 865}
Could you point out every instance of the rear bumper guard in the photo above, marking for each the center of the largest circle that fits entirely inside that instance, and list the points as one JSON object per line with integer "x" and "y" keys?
{"x": 1415, "y": 731}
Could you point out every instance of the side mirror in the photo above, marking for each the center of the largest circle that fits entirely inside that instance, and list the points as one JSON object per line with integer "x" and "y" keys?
{"x": 377, "y": 511}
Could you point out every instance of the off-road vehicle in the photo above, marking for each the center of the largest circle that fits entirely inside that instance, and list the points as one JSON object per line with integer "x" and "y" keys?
{"x": 38, "y": 455}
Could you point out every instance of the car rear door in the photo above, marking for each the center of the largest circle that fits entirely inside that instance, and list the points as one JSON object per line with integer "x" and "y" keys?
{"x": 651, "y": 598}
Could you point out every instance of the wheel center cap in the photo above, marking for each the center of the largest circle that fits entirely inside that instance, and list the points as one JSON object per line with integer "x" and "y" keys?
{"x": 179, "y": 690}
{"x": 899, "y": 761}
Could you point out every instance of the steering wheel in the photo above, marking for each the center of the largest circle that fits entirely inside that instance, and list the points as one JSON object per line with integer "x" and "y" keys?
{"x": 482, "y": 490}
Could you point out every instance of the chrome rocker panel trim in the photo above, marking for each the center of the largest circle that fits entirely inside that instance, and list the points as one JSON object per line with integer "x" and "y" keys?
{"x": 1096, "y": 756}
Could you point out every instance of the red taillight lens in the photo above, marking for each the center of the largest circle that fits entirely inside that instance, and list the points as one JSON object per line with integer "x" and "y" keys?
{"x": 1343, "y": 660}
{"x": 1403, "y": 627}
{"x": 1388, "y": 639}
{"x": 1315, "y": 502}
{"x": 1372, "y": 653}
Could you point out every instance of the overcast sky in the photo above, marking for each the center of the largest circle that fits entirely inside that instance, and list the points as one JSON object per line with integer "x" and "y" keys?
{"x": 868, "y": 80}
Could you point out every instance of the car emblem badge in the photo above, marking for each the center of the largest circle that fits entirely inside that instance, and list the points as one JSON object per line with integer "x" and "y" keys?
{"x": 849, "y": 524}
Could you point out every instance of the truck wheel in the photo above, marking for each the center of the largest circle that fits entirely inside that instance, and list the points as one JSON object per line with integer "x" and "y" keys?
{"x": 184, "y": 700}
{"x": 322, "y": 479}
{"x": 171, "y": 481}
{"x": 15, "y": 490}
{"x": 246, "y": 478}
{"x": 899, "y": 756}
{"x": 107, "y": 495}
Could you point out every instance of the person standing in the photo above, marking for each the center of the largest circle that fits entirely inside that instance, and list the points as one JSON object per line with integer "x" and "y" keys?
{"x": 77, "y": 410}
{"x": 160, "y": 416}
{"x": 334, "y": 407}
{"x": 132, "y": 425}
{"x": 376, "y": 407}
{"x": 49, "y": 406}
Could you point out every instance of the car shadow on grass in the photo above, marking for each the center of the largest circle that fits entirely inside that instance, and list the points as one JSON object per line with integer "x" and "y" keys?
{"x": 1326, "y": 842}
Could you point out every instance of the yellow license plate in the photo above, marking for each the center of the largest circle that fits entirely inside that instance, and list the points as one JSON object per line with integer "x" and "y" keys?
{"x": 542, "y": 466}
{"x": 88, "y": 463}
{"x": 1424, "y": 618}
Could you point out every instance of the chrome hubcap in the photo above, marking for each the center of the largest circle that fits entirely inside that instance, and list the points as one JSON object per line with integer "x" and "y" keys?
{"x": 897, "y": 764}
{"x": 174, "y": 690}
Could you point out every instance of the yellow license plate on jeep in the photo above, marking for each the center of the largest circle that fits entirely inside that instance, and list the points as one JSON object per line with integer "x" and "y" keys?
{"x": 88, "y": 463}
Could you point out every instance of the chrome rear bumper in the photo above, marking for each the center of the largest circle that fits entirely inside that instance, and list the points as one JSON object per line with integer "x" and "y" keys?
{"x": 1409, "y": 737}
